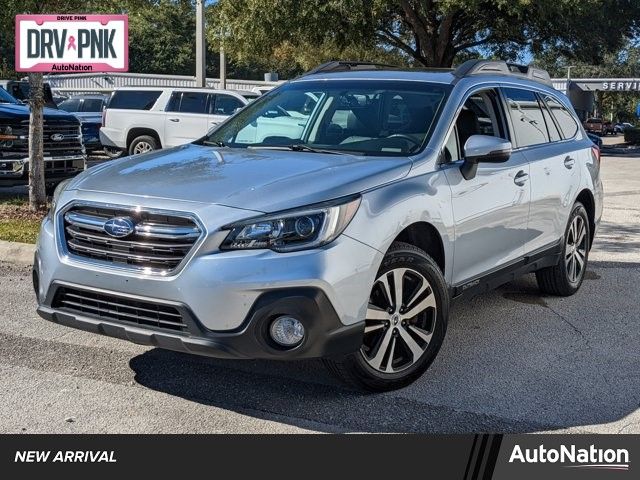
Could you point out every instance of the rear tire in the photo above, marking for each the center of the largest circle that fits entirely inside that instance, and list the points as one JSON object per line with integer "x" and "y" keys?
{"x": 402, "y": 338}
{"x": 565, "y": 278}
{"x": 143, "y": 144}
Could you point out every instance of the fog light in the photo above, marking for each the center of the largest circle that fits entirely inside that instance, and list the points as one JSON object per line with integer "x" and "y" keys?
{"x": 287, "y": 331}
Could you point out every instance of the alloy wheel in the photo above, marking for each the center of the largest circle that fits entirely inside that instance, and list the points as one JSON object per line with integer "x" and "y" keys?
{"x": 400, "y": 320}
{"x": 575, "y": 252}
{"x": 142, "y": 147}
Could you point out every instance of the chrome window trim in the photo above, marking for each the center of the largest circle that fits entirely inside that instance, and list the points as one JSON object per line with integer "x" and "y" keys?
{"x": 106, "y": 266}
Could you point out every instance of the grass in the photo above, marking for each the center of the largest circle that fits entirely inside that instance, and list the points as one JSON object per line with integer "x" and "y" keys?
{"x": 17, "y": 222}
{"x": 25, "y": 231}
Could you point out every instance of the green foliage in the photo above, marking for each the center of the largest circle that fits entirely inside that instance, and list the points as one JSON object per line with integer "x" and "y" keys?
{"x": 624, "y": 63}
{"x": 293, "y": 34}
{"x": 632, "y": 135}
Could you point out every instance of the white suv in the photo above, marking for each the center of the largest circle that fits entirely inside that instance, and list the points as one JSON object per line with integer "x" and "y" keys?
{"x": 141, "y": 119}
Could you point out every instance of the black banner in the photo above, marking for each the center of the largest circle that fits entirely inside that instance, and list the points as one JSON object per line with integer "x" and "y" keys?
{"x": 466, "y": 457}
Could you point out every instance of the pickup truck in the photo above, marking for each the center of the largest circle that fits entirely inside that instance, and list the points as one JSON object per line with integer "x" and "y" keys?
{"x": 598, "y": 126}
{"x": 141, "y": 119}
{"x": 64, "y": 153}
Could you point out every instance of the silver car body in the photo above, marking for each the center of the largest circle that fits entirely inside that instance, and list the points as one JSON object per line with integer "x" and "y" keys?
{"x": 484, "y": 224}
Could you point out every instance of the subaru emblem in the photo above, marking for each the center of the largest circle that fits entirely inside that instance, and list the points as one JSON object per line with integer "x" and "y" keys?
{"x": 119, "y": 227}
{"x": 57, "y": 137}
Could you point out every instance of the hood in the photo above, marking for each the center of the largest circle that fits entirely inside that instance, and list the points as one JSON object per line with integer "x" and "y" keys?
{"x": 19, "y": 112}
{"x": 261, "y": 180}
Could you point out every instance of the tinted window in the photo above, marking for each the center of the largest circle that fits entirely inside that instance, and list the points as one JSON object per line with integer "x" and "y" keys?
{"x": 526, "y": 117}
{"x": 193, "y": 102}
{"x": 567, "y": 124}
{"x": 226, "y": 105}
{"x": 71, "y": 105}
{"x": 134, "y": 99}
{"x": 92, "y": 105}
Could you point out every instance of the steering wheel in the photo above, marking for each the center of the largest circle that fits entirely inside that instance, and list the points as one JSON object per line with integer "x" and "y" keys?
{"x": 283, "y": 111}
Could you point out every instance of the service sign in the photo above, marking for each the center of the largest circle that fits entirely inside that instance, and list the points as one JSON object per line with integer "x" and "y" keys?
{"x": 72, "y": 43}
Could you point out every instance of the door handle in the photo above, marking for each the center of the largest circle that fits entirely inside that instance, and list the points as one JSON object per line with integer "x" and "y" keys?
{"x": 521, "y": 178}
{"x": 569, "y": 162}
{"x": 174, "y": 119}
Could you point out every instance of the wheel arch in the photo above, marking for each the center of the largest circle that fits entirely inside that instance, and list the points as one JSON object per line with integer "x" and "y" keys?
{"x": 588, "y": 200}
{"x": 138, "y": 131}
{"x": 426, "y": 237}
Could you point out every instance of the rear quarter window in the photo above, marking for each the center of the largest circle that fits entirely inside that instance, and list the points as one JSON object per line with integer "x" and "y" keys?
{"x": 566, "y": 122}
{"x": 134, "y": 99}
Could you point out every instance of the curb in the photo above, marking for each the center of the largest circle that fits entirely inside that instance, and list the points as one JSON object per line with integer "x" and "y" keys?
{"x": 16, "y": 252}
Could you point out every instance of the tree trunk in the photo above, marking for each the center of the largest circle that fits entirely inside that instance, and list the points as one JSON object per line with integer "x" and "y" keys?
{"x": 37, "y": 193}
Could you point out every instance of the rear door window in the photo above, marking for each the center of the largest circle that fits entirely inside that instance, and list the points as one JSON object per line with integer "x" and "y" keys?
{"x": 134, "y": 99}
{"x": 564, "y": 118}
{"x": 526, "y": 117}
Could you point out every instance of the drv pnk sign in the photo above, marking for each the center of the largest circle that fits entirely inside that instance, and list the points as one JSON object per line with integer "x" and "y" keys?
{"x": 72, "y": 43}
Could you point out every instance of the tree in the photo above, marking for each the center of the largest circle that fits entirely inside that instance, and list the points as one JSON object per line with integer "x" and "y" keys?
{"x": 624, "y": 63}
{"x": 430, "y": 33}
{"x": 37, "y": 193}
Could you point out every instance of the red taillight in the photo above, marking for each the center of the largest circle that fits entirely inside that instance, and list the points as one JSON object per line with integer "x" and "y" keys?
{"x": 595, "y": 153}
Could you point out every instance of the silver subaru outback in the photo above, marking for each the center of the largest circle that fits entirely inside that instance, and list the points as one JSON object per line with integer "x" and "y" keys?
{"x": 335, "y": 217}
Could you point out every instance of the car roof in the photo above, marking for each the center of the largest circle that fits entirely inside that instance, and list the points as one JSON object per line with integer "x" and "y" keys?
{"x": 164, "y": 88}
{"x": 100, "y": 96}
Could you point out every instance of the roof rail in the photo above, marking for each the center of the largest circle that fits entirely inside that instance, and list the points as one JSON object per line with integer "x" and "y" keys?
{"x": 500, "y": 67}
{"x": 344, "y": 66}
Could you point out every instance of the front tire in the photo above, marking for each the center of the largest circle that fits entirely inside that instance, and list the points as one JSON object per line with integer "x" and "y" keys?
{"x": 565, "y": 278}
{"x": 405, "y": 324}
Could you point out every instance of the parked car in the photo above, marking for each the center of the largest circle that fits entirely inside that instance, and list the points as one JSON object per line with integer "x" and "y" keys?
{"x": 88, "y": 108}
{"x": 141, "y": 119}
{"x": 21, "y": 90}
{"x": 621, "y": 127}
{"x": 337, "y": 218}
{"x": 596, "y": 139}
{"x": 64, "y": 154}
{"x": 598, "y": 126}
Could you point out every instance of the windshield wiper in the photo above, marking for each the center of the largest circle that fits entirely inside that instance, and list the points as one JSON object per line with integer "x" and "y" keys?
{"x": 217, "y": 143}
{"x": 298, "y": 147}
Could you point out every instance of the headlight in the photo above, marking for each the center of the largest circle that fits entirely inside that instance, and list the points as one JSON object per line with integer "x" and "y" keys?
{"x": 7, "y": 137}
{"x": 294, "y": 229}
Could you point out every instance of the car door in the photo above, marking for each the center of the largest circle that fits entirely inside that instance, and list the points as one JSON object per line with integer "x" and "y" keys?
{"x": 490, "y": 210}
{"x": 186, "y": 117}
{"x": 221, "y": 107}
{"x": 555, "y": 176}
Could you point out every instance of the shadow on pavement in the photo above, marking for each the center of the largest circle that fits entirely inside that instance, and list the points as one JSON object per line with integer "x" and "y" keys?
{"x": 580, "y": 373}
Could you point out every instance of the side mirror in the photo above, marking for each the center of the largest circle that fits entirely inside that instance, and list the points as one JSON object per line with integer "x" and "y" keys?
{"x": 483, "y": 148}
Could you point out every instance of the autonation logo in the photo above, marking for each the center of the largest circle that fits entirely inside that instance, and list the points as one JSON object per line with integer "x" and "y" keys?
{"x": 573, "y": 457}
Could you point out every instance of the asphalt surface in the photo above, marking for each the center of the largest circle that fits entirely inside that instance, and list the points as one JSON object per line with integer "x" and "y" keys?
{"x": 513, "y": 361}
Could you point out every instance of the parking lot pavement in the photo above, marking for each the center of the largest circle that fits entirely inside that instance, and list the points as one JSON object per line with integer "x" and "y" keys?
{"x": 513, "y": 361}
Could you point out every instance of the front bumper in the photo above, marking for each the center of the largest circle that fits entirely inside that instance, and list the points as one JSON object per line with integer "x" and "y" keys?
{"x": 325, "y": 334}
{"x": 16, "y": 171}
{"x": 229, "y": 298}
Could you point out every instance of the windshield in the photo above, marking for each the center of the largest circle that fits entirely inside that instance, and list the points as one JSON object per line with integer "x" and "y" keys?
{"x": 363, "y": 117}
{"x": 5, "y": 97}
